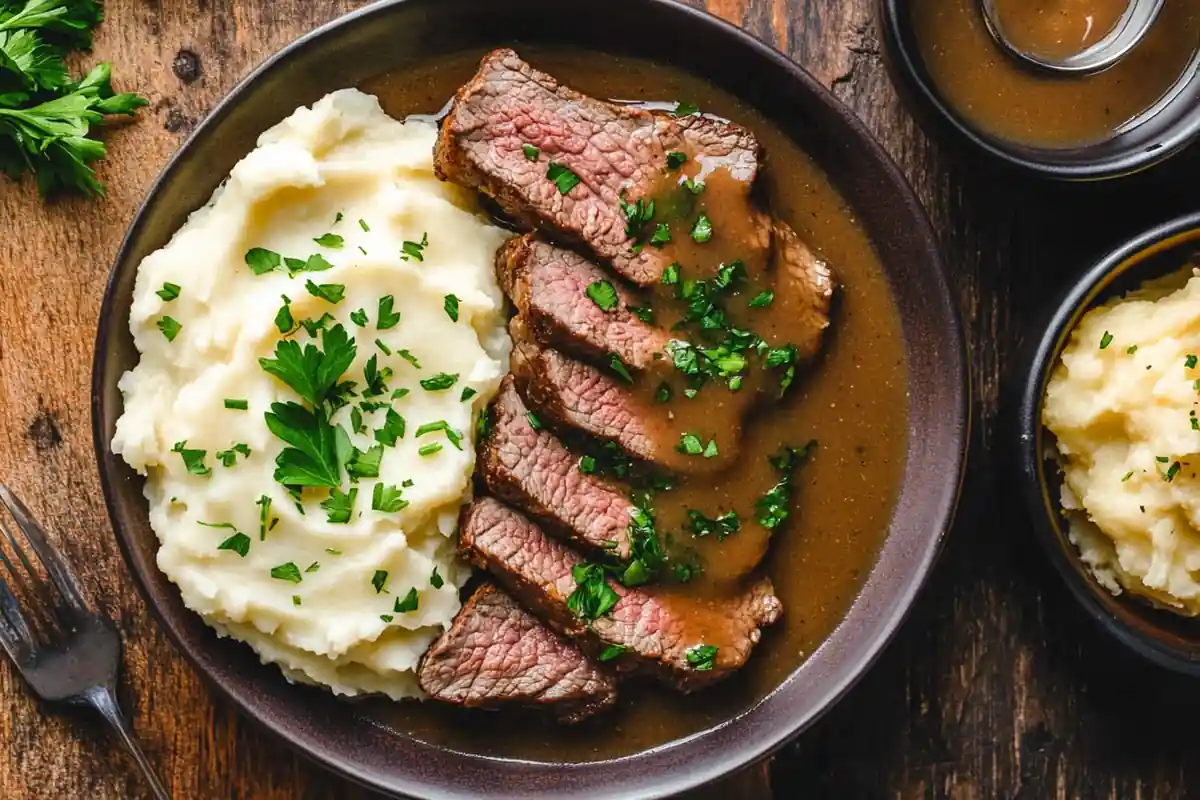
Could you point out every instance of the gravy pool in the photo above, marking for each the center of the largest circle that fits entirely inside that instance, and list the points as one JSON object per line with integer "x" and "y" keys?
{"x": 854, "y": 401}
{"x": 990, "y": 91}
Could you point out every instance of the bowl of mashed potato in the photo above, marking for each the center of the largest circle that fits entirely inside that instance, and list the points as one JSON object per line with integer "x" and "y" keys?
{"x": 1107, "y": 428}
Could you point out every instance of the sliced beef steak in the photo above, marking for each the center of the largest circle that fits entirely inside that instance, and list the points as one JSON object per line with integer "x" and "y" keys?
{"x": 618, "y": 153}
{"x": 570, "y": 395}
{"x": 658, "y": 628}
{"x": 548, "y": 285}
{"x": 530, "y": 468}
{"x": 496, "y": 654}
{"x": 809, "y": 289}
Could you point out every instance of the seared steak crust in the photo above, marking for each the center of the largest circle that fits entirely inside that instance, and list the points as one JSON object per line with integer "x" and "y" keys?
{"x": 657, "y": 628}
{"x": 496, "y": 654}
{"x": 618, "y": 152}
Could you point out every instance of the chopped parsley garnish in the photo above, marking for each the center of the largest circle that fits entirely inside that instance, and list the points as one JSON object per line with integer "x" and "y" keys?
{"x": 315, "y": 263}
{"x": 693, "y": 186}
{"x": 710, "y": 450}
{"x": 675, "y": 159}
{"x": 725, "y": 525}
{"x": 362, "y": 223}
{"x": 1191, "y": 361}
{"x": 265, "y": 521}
{"x": 169, "y": 292}
{"x": 593, "y": 597}
{"x": 237, "y": 405}
{"x": 376, "y": 378}
{"x": 530, "y": 152}
{"x": 618, "y": 366}
{"x": 238, "y": 543}
{"x": 379, "y": 580}
{"x": 645, "y": 550}
{"x": 286, "y": 572}
{"x": 387, "y": 499}
{"x": 450, "y": 304}
{"x": 690, "y": 445}
{"x": 429, "y": 449}
{"x": 603, "y": 294}
{"x": 314, "y": 326}
{"x": 386, "y": 617}
{"x": 436, "y": 580}
{"x": 564, "y": 179}
{"x": 410, "y": 358}
{"x": 1127, "y": 476}
{"x": 261, "y": 260}
{"x": 193, "y": 460}
{"x": 685, "y": 109}
{"x": 330, "y": 240}
{"x": 387, "y": 351}
{"x": 316, "y": 450}
{"x": 534, "y": 421}
{"x": 702, "y": 230}
{"x": 386, "y": 318}
{"x": 467, "y": 393}
{"x": 670, "y": 276}
{"x": 637, "y": 216}
{"x": 663, "y": 393}
{"x": 1105, "y": 340}
{"x": 644, "y": 313}
{"x": 393, "y": 429}
{"x": 283, "y": 318}
{"x": 587, "y": 465}
{"x": 338, "y": 217}
{"x": 296, "y": 600}
{"x": 439, "y": 382}
{"x": 452, "y": 435}
{"x": 1172, "y": 471}
{"x": 170, "y": 327}
{"x": 1133, "y": 348}
{"x": 313, "y": 567}
{"x": 661, "y": 236}
{"x": 702, "y": 657}
{"x": 762, "y": 299}
{"x": 229, "y": 457}
{"x": 313, "y": 374}
{"x": 356, "y": 421}
{"x": 612, "y": 652}
{"x": 359, "y": 317}
{"x": 340, "y": 505}
{"x": 773, "y": 507}
{"x": 365, "y": 464}
{"x": 409, "y": 603}
{"x": 329, "y": 292}
{"x": 414, "y": 250}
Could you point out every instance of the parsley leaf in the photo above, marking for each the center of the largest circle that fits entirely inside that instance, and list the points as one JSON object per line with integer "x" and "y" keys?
{"x": 379, "y": 580}
{"x": 439, "y": 382}
{"x": 530, "y": 152}
{"x": 329, "y": 292}
{"x": 169, "y": 292}
{"x": 467, "y": 393}
{"x": 283, "y": 318}
{"x": 387, "y": 499}
{"x": 237, "y": 405}
{"x": 170, "y": 327}
{"x": 702, "y": 231}
{"x": 340, "y": 506}
{"x": 409, "y": 603}
{"x": 193, "y": 460}
{"x": 455, "y": 437}
{"x": 593, "y": 597}
{"x": 365, "y": 464}
{"x": 564, "y": 179}
{"x": 762, "y": 299}
{"x": 238, "y": 543}
{"x": 386, "y": 319}
{"x": 618, "y": 366}
{"x": 313, "y": 458}
{"x": 661, "y": 236}
{"x": 702, "y": 657}
{"x": 330, "y": 240}
{"x": 612, "y": 652}
{"x": 675, "y": 160}
{"x": 685, "y": 109}
{"x": 265, "y": 521}
{"x": 414, "y": 249}
{"x": 393, "y": 429}
{"x": 311, "y": 373}
{"x": 436, "y": 580}
{"x": 229, "y": 457}
{"x": 429, "y": 449}
{"x": 773, "y": 507}
{"x": 603, "y": 294}
{"x": 261, "y": 260}
{"x": 359, "y": 317}
{"x": 450, "y": 304}
{"x": 286, "y": 572}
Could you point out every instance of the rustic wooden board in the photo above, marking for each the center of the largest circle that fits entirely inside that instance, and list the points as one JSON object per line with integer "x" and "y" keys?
{"x": 997, "y": 687}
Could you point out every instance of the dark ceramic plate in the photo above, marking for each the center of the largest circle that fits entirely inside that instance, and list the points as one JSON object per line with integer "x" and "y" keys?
{"x": 1161, "y": 135}
{"x": 390, "y": 36}
{"x": 1165, "y": 638}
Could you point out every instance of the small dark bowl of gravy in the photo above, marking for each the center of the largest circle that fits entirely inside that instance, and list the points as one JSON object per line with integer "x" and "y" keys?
{"x": 1139, "y": 112}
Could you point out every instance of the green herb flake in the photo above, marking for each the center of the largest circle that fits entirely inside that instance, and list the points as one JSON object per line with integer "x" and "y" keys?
{"x": 1190, "y": 361}
{"x": 1162, "y": 459}
{"x": 1127, "y": 476}
{"x": 386, "y": 319}
{"x": 450, "y": 305}
{"x": 364, "y": 463}
{"x": 237, "y": 405}
{"x": 587, "y": 465}
{"x": 283, "y": 318}
{"x": 286, "y": 572}
{"x": 329, "y": 292}
{"x": 1106, "y": 340}
{"x": 531, "y": 152}
{"x": 1133, "y": 348}
{"x": 618, "y": 366}
{"x": 238, "y": 543}
{"x": 414, "y": 250}
{"x": 702, "y": 231}
{"x": 663, "y": 393}
{"x": 612, "y": 652}
{"x": 693, "y": 186}
{"x": 702, "y": 657}
{"x": 359, "y": 317}
{"x": 675, "y": 159}
{"x": 670, "y": 276}
{"x": 429, "y": 449}
{"x": 193, "y": 460}
{"x": 603, "y": 294}
{"x": 170, "y": 327}
{"x": 762, "y": 299}
{"x": 393, "y": 429}
{"x": 362, "y": 223}
{"x": 685, "y": 109}
{"x": 436, "y": 580}
{"x": 339, "y": 505}
{"x": 564, "y": 179}
{"x": 1172, "y": 471}
{"x": 379, "y": 580}
{"x": 593, "y": 597}
{"x": 409, "y": 603}
{"x": 710, "y": 451}
{"x": 261, "y": 260}
{"x": 467, "y": 393}
{"x": 439, "y": 382}
{"x": 313, "y": 567}
{"x": 265, "y": 521}
{"x": 690, "y": 444}
{"x": 169, "y": 292}
{"x": 386, "y": 617}
{"x": 534, "y": 421}
{"x": 330, "y": 240}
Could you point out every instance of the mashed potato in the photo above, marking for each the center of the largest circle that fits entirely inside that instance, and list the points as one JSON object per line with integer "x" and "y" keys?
{"x": 1123, "y": 405}
{"x": 337, "y": 212}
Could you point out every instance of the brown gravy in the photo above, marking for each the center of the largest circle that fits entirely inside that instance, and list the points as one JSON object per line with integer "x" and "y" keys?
{"x": 999, "y": 97}
{"x": 854, "y": 402}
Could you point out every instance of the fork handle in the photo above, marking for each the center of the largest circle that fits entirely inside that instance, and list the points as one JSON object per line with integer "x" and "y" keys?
{"x": 104, "y": 700}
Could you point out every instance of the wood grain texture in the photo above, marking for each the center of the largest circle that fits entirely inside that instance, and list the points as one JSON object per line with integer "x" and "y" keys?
{"x": 998, "y": 687}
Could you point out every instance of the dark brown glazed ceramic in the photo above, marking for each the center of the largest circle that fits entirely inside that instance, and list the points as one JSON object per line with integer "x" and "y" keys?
{"x": 390, "y": 35}
{"x": 1163, "y": 135}
{"x": 1165, "y": 638}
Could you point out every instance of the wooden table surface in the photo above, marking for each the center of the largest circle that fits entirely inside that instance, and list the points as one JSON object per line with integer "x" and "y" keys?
{"x": 998, "y": 685}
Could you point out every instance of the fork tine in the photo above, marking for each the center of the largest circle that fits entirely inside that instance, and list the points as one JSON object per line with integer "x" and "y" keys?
{"x": 60, "y": 573}
{"x": 15, "y": 635}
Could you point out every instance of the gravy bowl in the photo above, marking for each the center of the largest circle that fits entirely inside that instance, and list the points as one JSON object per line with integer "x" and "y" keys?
{"x": 1167, "y": 639}
{"x": 354, "y": 739}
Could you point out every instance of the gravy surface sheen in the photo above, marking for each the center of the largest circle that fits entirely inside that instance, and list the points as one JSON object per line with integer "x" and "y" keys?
{"x": 995, "y": 94}
{"x": 853, "y": 400}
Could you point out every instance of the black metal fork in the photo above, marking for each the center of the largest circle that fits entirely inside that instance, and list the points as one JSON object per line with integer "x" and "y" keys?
{"x": 64, "y": 648}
